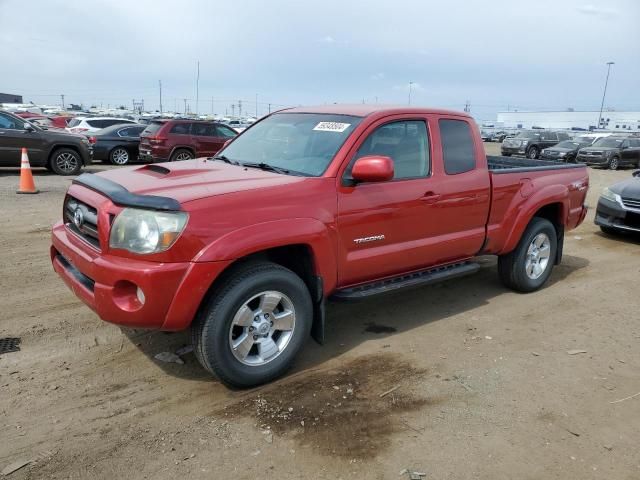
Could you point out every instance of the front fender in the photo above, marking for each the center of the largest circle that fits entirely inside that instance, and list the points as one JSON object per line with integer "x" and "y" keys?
{"x": 278, "y": 233}
{"x": 523, "y": 215}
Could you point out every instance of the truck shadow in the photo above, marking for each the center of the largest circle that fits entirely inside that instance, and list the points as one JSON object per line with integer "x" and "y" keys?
{"x": 350, "y": 324}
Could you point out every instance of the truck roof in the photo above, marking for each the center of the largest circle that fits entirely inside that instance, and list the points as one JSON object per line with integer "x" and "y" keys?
{"x": 364, "y": 110}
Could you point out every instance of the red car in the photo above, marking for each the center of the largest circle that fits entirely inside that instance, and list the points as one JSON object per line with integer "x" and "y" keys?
{"x": 341, "y": 202}
{"x": 58, "y": 122}
{"x": 172, "y": 140}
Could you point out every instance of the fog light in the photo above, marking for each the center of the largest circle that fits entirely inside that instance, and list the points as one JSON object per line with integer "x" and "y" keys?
{"x": 140, "y": 295}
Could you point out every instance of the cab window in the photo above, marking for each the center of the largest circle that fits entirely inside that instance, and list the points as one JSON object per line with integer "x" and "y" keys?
{"x": 457, "y": 146}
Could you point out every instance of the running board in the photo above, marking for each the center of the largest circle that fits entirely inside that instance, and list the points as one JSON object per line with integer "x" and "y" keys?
{"x": 416, "y": 279}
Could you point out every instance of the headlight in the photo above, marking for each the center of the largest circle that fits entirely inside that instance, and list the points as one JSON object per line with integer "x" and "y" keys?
{"x": 609, "y": 195}
{"x": 146, "y": 231}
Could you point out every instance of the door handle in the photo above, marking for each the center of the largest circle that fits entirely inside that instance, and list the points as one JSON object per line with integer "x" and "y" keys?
{"x": 430, "y": 197}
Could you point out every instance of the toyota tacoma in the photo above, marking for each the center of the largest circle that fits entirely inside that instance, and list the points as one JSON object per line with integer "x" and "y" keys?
{"x": 307, "y": 205}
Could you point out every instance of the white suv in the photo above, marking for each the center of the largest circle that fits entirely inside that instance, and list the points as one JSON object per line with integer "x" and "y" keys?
{"x": 93, "y": 124}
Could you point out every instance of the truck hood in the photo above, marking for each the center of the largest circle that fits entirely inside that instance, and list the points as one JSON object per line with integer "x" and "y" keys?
{"x": 629, "y": 188}
{"x": 194, "y": 179}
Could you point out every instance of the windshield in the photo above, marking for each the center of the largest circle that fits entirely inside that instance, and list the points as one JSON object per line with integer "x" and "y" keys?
{"x": 527, "y": 135}
{"x": 608, "y": 142}
{"x": 302, "y": 143}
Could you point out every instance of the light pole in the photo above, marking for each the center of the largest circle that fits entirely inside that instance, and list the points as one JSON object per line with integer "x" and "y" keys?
{"x": 604, "y": 92}
{"x": 410, "y": 85}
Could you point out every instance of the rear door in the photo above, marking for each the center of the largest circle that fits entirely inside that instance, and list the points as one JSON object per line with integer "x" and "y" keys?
{"x": 205, "y": 139}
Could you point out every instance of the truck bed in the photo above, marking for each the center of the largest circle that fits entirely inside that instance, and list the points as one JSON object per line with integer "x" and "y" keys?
{"x": 498, "y": 164}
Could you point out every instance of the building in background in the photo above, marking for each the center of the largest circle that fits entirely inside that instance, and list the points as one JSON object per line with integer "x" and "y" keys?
{"x": 10, "y": 98}
{"x": 571, "y": 120}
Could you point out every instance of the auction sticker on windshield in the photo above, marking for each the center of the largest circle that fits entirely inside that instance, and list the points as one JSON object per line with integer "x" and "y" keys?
{"x": 331, "y": 127}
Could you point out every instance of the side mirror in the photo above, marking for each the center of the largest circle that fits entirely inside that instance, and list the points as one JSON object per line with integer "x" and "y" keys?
{"x": 372, "y": 169}
{"x": 28, "y": 127}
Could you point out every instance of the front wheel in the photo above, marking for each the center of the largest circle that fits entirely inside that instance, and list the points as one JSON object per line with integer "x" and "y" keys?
{"x": 253, "y": 324}
{"x": 614, "y": 163}
{"x": 533, "y": 153}
{"x": 528, "y": 267}
{"x": 65, "y": 161}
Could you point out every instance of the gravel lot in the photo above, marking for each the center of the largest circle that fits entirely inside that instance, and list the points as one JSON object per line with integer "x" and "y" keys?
{"x": 483, "y": 384}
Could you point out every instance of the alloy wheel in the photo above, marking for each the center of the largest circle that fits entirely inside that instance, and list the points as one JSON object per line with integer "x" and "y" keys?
{"x": 120, "y": 156}
{"x": 66, "y": 162}
{"x": 537, "y": 257}
{"x": 262, "y": 328}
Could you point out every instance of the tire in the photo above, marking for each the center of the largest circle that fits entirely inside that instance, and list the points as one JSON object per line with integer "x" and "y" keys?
{"x": 513, "y": 268}
{"x": 181, "y": 154}
{"x": 119, "y": 156}
{"x": 533, "y": 153}
{"x": 238, "y": 299}
{"x": 608, "y": 230}
{"x": 614, "y": 163}
{"x": 65, "y": 161}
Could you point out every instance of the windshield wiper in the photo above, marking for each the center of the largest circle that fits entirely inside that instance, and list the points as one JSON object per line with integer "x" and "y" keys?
{"x": 225, "y": 159}
{"x": 267, "y": 167}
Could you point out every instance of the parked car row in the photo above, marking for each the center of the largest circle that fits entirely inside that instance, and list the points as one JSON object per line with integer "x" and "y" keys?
{"x": 610, "y": 151}
{"x": 119, "y": 141}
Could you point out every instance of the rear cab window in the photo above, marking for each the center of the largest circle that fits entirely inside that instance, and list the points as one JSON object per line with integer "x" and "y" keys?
{"x": 458, "y": 153}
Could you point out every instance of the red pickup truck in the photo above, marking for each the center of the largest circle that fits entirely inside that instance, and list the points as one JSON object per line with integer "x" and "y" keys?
{"x": 308, "y": 204}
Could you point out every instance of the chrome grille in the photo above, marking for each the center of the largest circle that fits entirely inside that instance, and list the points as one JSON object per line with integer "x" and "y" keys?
{"x": 85, "y": 223}
{"x": 631, "y": 202}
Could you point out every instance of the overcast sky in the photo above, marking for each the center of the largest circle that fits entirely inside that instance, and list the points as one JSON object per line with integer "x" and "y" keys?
{"x": 497, "y": 54}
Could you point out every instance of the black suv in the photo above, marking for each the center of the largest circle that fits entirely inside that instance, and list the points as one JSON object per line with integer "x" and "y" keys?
{"x": 612, "y": 152}
{"x": 61, "y": 152}
{"x": 531, "y": 142}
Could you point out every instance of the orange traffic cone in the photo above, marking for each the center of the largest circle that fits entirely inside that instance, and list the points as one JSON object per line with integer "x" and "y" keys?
{"x": 26, "y": 179}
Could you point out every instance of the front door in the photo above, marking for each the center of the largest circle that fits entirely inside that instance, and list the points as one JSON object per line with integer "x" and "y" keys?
{"x": 381, "y": 224}
{"x": 13, "y": 138}
{"x": 433, "y": 212}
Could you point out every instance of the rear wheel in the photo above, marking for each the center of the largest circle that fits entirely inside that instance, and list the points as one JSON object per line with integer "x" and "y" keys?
{"x": 528, "y": 267}
{"x": 533, "y": 153}
{"x": 614, "y": 163}
{"x": 253, "y": 324}
{"x": 181, "y": 154}
{"x": 119, "y": 156}
{"x": 65, "y": 161}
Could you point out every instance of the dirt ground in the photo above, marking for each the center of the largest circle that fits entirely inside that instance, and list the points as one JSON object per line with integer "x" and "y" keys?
{"x": 479, "y": 383}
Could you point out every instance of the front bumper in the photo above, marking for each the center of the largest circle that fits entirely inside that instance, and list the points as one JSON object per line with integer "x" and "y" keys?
{"x": 592, "y": 160}
{"x": 513, "y": 150}
{"x": 613, "y": 215}
{"x": 109, "y": 284}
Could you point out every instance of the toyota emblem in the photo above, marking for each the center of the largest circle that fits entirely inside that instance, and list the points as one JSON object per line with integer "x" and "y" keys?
{"x": 78, "y": 218}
